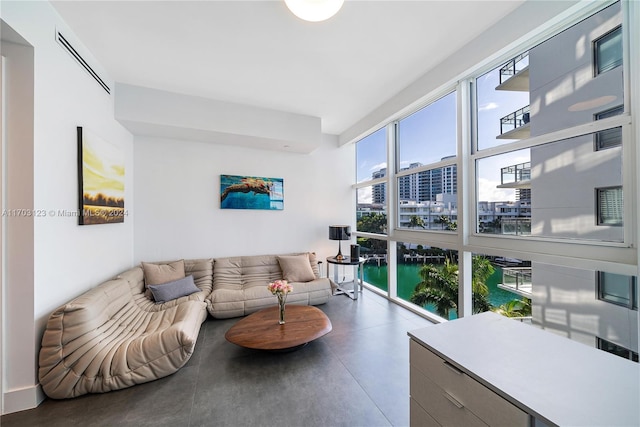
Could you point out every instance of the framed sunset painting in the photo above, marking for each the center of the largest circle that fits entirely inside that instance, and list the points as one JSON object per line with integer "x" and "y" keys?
{"x": 100, "y": 180}
{"x": 251, "y": 192}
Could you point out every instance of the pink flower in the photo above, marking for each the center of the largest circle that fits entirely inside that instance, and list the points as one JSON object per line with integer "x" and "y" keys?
{"x": 279, "y": 287}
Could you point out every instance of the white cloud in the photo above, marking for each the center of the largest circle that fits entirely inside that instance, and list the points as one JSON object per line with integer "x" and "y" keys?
{"x": 489, "y": 106}
{"x": 488, "y": 191}
{"x": 378, "y": 166}
{"x": 365, "y": 195}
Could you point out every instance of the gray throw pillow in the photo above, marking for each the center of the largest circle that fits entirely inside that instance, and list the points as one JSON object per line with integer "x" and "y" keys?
{"x": 173, "y": 290}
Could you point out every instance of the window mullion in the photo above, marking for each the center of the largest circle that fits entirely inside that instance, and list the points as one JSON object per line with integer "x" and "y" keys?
{"x": 631, "y": 159}
{"x": 465, "y": 290}
{"x": 392, "y": 210}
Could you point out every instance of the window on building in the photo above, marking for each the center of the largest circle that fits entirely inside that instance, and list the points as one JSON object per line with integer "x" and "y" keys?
{"x": 618, "y": 289}
{"x": 608, "y": 51}
{"x": 609, "y": 138}
{"x": 609, "y": 206}
{"x": 618, "y": 350}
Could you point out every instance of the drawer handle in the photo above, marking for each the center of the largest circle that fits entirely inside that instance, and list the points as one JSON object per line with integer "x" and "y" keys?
{"x": 453, "y": 368}
{"x": 453, "y": 400}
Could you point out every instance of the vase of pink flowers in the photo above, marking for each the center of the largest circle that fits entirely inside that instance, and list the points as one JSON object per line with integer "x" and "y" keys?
{"x": 280, "y": 288}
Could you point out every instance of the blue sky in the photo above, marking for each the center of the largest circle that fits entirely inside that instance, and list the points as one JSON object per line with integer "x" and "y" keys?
{"x": 492, "y": 106}
{"x": 429, "y": 134}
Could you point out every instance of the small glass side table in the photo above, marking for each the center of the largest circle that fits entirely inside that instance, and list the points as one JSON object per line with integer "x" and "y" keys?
{"x": 349, "y": 287}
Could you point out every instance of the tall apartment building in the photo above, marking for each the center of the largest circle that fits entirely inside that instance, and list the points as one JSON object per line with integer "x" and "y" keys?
{"x": 379, "y": 195}
{"x": 449, "y": 179}
{"x": 421, "y": 187}
{"x": 408, "y": 185}
{"x": 572, "y": 79}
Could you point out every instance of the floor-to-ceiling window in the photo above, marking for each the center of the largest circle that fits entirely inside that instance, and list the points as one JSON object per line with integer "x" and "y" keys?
{"x": 371, "y": 205}
{"x": 508, "y": 190}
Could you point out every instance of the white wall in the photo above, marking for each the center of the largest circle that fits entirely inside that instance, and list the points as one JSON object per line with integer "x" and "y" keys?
{"x": 565, "y": 302}
{"x": 178, "y": 211}
{"x": 67, "y": 259}
{"x": 561, "y": 78}
{"x": 563, "y": 89}
{"x": 18, "y": 229}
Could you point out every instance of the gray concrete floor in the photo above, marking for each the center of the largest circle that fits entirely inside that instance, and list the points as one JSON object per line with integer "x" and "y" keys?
{"x": 357, "y": 375}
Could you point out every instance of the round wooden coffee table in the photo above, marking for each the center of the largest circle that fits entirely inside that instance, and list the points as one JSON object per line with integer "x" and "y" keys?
{"x": 261, "y": 330}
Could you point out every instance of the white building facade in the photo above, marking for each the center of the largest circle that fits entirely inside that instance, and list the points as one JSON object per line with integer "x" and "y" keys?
{"x": 576, "y": 184}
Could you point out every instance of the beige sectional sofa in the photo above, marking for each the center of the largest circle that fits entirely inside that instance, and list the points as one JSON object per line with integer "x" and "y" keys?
{"x": 115, "y": 335}
{"x": 240, "y": 283}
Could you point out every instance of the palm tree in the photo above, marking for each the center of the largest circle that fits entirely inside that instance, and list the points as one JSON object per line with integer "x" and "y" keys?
{"x": 481, "y": 270}
{"x": 442, "y": 220}
{"x": 373, "y": 223}
{"x": 416, "y": 221}
{"x": 439, "y": 286}
{"x": 515, "y": 308}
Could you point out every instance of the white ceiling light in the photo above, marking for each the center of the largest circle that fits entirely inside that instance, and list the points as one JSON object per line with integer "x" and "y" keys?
{"x": 314, "y": 10}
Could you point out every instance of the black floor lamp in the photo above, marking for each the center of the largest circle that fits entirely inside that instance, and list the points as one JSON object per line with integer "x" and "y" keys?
{"x": 339, "y": 232}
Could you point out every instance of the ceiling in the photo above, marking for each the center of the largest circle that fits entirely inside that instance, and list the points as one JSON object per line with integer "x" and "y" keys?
{"x": 257, "y": 53}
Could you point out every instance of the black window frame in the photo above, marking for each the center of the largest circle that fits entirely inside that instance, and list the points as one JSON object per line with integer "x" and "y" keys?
{"x": 602, "y": 135}
{"x": 596, "y": 57}
{"x": 633, "y": 291}
{"x": 618, "y": 350}
{"x": 599, "y": 221}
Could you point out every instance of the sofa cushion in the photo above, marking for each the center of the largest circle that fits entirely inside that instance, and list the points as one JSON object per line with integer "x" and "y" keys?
{"x": 296, "y": 268}
{"x": 173, "y": 290}
{"x": 238, "y": 273}
{"x": 157, "y": 274}
{"x": 202, "y": 272}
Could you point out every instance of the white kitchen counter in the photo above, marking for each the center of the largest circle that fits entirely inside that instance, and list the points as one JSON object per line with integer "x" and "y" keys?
{"x": 556, "y": 380}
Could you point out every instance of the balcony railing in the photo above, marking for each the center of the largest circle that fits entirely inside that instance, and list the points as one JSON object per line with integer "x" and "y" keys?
{"x": 516, "y": 226}
{"x": 514, "y": 66}
{"x": 515, "y": 173}
{"x": 514, "y": 120}
{"x": 517, "y": 280}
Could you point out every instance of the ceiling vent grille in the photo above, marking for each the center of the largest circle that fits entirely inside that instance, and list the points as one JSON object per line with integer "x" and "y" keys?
{"x": 67, "y": 46}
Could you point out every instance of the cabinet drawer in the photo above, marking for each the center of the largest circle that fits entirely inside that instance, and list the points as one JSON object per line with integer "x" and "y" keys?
{"x": 418, "y": 417}
{"x": 443, "y": 407}
{"x": 484, "y": 403}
